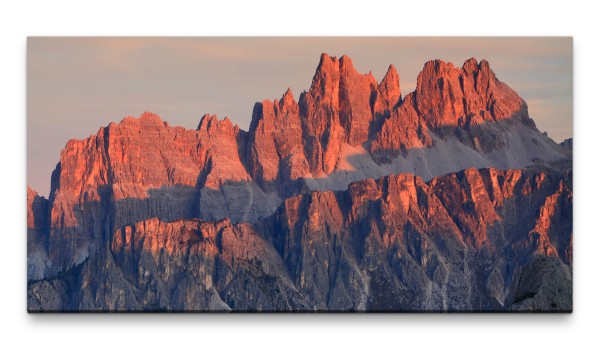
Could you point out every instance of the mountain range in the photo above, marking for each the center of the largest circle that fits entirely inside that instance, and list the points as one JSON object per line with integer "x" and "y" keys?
{"x": 352, "y": 198}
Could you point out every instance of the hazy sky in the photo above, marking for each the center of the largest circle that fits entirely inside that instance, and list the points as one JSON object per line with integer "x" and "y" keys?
{"x": 77, "y": 85}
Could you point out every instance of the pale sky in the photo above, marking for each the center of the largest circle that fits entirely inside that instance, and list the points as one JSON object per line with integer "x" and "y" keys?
{"x": 77, "y": 85}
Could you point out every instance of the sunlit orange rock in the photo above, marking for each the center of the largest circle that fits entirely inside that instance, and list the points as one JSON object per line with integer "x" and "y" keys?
{"x": 352, "y": 197}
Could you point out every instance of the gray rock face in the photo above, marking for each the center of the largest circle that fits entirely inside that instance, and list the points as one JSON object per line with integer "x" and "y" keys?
{"x": 476, "y": 240}
{"x": 37, "y": 235}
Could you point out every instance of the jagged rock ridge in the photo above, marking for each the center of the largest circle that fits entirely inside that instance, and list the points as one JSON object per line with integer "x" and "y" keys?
{"x": 475, "y": 240}
{"x": 345, "y": 128}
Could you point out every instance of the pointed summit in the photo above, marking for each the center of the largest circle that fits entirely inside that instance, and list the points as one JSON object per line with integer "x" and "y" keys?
{"x": 391, "y": 72}
{"x": 207, "y": 121}
{"x": 470, "y": 65}
{"x": 287, "y": 98}
{"x": 389, "y": 88}
{"x": 327, "y": 64}
{"x": 325, "y": 83}
{"x": 346, "y": 65}
{"x": 484, "y": 65}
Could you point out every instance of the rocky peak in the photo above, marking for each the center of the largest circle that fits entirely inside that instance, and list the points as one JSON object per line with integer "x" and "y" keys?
{"x": 287, "y": 100}
{"x": 211, "y": 125}
{"x": 450, "y": 96}
{"x": 439, "y": 96}
{"x": 438, "y": 67}
{"x": 567, "y": 146}
{"x": 37, "y": 209}
{"x": 347, "y": 66}
{"x": 276, "y": 136}
{"x": 336, "y": 110}
{"x": 325, "y": 83}
{"x": 150, "y": 117}
{"x": 389, "y": 88}
{"x": 145, "y": 120}
{"x": 471, "y": 66}
{"x": 208, "y": 122}
{"x": 333, "y": 75}
{"x": 268, "y": 110}
{"x": 205, "y": 121}
{"x": 567, "y": 143}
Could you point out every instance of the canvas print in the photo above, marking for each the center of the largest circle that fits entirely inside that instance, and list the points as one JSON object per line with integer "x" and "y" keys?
{"x": 307, "y": 174}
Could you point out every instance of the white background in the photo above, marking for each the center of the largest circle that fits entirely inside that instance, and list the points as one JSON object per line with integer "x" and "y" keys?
{"x": 367, "y": 18}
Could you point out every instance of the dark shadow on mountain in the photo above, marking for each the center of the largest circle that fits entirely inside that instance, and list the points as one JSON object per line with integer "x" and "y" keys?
{"x": 393, "y": 281}
{"x": 246, "y": 201}
{"x": 527, "y": 144}
{"x": 166, "y": 203}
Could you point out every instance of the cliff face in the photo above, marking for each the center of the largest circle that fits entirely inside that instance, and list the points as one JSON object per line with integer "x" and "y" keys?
{"x": 143, "y": 168}
{"x": 468, "y": 103}
{"x": 126, "y": 204}
{"x": 474, "y": 240}
{"x": 289, "y": 141}
{"x": 37, "y": 235}
{"x": 450, "y": 96}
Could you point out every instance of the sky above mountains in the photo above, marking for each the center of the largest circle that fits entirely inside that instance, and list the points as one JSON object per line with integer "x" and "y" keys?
{"x": 77, "y": 85}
